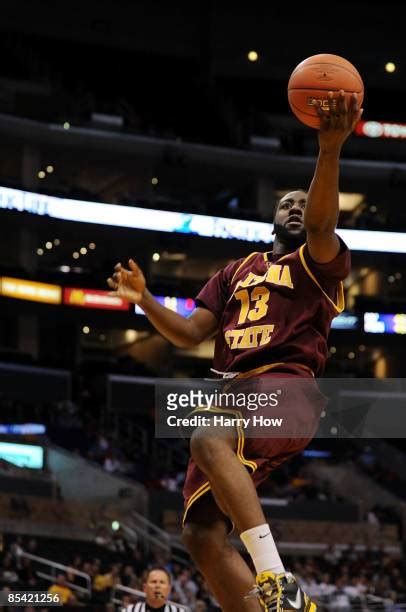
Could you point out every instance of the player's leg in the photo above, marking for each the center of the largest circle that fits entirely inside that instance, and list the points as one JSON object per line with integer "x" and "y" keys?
{"x": 227, "y": 574}
{"x": 236, "y": 494}
{"x": 234, "y": 489}
{"x": 215, "y": 454}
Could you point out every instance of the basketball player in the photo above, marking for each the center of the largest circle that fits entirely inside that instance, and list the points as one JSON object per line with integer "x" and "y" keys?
{"x": 290, "y": 295}
{"x": 156, "y": 588}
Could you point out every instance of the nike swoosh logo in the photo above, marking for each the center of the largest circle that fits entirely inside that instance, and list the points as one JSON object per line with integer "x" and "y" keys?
{"x": 298, "y": 601}
{"x": 264, "y": 536}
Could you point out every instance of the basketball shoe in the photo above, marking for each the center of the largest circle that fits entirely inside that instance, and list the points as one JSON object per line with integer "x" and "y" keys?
{"x": 281, "y": 593}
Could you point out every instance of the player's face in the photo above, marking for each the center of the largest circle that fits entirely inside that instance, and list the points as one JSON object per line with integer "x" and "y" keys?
{"x": 157, "y": 587}
{"x": 290, "y": 213}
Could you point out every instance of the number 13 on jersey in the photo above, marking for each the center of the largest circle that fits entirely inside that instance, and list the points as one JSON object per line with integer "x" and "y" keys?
{"x": 258, "y": 300}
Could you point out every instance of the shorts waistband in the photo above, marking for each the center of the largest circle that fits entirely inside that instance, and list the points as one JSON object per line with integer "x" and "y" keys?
{"x": 262, "y": 370}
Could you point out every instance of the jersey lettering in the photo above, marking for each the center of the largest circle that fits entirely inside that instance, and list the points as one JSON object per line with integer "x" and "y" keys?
{"x": 274, "y": 310}
{"x": 250, "y": 337}
{"x": 276, "y": 274}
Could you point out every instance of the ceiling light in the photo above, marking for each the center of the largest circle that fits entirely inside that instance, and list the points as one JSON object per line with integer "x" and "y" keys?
{"x": 390, "y": 67}
{"x": 66, "y": 125}
{"x": 40, "y": 251}
{"x": 252, "y": 56}
{"x": 154, "y": 180}
{"x": 85, "y": 329}
{"x": 75, "y": 255}
{"x": 41, "y": 174}
{"x": 49, "y": 245}
{"x": 92, "y": 246}
{"x": 49, "y": 169}
{"x": 83, "y": 250}
{"x": 130, "y": 335}
{"x": 351, "y": 355}
{"x": 156, "y": 257}
{"x": 57, "y": 242}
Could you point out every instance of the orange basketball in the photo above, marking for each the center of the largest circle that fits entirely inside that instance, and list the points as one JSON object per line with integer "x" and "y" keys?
{"x": 313, "y": 78}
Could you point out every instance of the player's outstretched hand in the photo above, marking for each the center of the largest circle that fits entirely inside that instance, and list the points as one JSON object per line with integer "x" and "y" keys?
{"x": 338, "y": 122}
{"x": 127, "y": 284}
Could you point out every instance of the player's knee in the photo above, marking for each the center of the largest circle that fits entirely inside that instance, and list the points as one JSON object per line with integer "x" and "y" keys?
{"x": 205, "y": 449}
{"x": 201, "y": 447}
{"x": 205, "y": 544}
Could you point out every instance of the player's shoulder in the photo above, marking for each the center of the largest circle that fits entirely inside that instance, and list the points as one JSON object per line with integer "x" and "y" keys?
{"x": 241, "y": 265}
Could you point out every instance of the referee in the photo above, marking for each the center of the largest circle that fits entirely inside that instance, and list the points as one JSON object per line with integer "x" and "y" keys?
{"x": 156, "y": 588}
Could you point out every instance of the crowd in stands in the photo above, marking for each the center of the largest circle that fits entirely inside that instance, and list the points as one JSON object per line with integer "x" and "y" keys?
{"x": 346, "y": 579}
{"x": 79, "y": 430}
{"x": 339, "y": 579}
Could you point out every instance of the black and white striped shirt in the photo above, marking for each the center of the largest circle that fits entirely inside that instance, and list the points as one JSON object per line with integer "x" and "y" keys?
{"x": 142, "y": 607}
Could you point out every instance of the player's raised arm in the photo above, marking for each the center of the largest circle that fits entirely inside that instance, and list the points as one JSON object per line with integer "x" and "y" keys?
{"x": 321, "y": 213}
{"x": 130, "y": 285}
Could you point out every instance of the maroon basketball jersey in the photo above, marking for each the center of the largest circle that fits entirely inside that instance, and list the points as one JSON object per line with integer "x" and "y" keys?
{"x": 275, "y": 310}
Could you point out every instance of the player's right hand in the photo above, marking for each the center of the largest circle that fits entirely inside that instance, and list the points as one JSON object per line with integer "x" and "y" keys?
{"x": 127, "y": 284}
{"x": 337, "y": 123}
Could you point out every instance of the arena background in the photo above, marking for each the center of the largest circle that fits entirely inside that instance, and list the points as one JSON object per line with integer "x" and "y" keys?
{"x": 155, "y": 106}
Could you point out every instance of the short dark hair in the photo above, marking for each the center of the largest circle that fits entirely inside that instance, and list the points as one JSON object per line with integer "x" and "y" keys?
{"x": 157, "y": 568}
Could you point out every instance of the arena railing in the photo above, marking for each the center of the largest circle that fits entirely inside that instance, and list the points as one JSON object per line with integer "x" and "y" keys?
{"x": 153, "y": 535}
{"x": 140, "y": 594}
{"x": 53, "y": 566}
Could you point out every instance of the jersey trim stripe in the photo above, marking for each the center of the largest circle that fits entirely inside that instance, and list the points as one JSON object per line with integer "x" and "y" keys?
{"x": 266, "y": 258}
{"x": 242, "y": 264}
{"x": 241, "y": 439}
{"x": 198, "y": 493}
{"x": 240, "y": 451}
{"x": 339, "y": 306}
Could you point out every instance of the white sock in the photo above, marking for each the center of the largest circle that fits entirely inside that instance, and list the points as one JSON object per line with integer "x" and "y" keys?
{"x": 261, "y": 546}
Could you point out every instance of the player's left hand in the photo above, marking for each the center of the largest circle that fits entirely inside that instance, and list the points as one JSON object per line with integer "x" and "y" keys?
{"x": 338, "y": 122}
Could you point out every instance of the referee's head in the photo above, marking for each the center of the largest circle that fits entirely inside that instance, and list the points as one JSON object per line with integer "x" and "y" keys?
{"x": 157, "y": 587}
